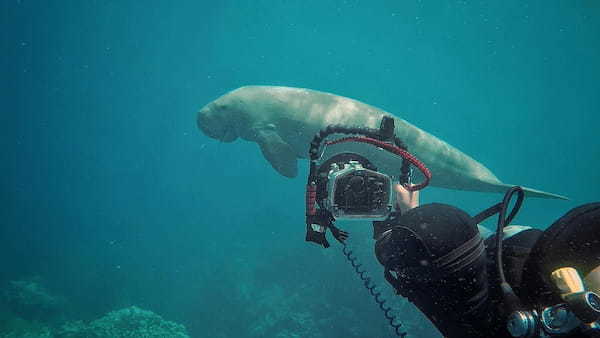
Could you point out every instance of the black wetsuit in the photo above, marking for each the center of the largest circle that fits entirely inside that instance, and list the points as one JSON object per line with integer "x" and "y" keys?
{"x": 435, "y": 256}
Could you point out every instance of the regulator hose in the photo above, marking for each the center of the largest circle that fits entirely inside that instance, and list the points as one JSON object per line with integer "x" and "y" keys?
{"x": 511, "y": 300}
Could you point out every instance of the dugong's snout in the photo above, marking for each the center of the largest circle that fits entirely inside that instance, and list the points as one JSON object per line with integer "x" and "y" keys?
{"x": 215, "y": 125}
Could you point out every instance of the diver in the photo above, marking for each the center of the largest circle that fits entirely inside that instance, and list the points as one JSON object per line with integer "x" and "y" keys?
{"x": 517, "y": 282}
{"x": 436, "y": 256}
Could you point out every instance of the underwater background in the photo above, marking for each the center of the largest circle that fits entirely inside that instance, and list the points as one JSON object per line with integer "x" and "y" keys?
{"x": 111, "y": 198}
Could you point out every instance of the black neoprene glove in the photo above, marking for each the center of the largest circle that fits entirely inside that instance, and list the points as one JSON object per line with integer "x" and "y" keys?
{"x": 324, "y": 219}
{"x": 339, "y": 234}
{"x": 316, "y": 236}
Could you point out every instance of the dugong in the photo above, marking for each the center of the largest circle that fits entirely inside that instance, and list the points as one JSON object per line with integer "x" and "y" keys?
{"x": 283, "y": 121}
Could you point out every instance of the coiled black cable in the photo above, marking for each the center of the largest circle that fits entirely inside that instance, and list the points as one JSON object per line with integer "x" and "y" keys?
{"x": 369, "y": 285}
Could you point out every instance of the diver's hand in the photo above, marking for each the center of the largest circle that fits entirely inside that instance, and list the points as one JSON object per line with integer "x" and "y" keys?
{"x": 406, "y": 200}
{"x": 339, "y": 234}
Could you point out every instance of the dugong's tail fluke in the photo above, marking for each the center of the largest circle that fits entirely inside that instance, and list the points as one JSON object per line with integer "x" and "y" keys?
{"x": 536, "y": 193}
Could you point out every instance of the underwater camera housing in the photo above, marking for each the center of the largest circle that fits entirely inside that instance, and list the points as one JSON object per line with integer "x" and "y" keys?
{"x": 347, "y": 185}
{"x": 353, "y": 191}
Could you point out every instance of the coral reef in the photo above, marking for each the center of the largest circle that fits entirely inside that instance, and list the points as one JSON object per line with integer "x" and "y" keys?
{"x": 130, "y": 322}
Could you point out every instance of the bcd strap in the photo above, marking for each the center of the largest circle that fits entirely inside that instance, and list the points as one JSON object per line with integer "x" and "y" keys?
{"x": 462, "y": 256}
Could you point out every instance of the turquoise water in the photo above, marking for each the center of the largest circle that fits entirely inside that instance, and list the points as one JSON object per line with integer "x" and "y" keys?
{"x": 111, "y": 196}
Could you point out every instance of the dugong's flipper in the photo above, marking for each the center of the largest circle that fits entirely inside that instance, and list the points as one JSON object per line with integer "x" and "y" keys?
{"x": 278, "y": 152}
